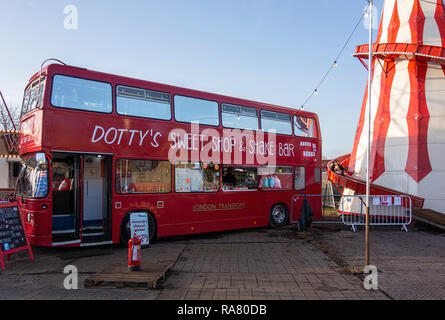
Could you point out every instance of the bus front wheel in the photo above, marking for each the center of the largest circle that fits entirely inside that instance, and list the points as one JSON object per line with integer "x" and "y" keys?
{"x": 125, "y": 232}
{"x": 278, "y": 216}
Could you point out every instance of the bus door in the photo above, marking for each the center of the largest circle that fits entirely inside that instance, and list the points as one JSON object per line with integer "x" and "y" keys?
{"x": 300, "y": 184}
{"x": 314, "y": 189}
{"x": 308, "y": 186}
{"x": 65, "y": 170}
{"x": 96, "y": 198}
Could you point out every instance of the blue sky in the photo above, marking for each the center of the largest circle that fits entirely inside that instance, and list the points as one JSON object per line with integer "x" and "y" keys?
{"x": 269, "y": 51}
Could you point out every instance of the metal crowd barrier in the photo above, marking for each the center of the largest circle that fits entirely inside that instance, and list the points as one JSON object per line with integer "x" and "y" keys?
{"x": 383, "y": 210}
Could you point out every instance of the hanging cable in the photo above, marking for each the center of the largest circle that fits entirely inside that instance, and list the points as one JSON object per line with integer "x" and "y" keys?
{"x": 335, "y": 63}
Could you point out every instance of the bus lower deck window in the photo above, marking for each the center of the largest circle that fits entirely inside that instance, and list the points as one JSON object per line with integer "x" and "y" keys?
{"x": 300, "y": 178}
{"x": 239, "y": 178}
{"x": 275, "y": 178}
{"x": 196, "y": 177}
{"x": 143, "y": 176}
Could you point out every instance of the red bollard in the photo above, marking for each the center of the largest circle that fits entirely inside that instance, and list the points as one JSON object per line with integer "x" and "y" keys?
{"x": 134, "y": 254}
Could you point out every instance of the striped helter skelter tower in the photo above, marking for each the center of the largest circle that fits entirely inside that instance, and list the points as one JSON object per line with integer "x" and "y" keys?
{"x": 408, "y": 103}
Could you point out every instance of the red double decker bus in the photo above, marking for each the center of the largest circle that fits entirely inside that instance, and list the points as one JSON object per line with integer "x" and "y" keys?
{"x": 96, "y": 147}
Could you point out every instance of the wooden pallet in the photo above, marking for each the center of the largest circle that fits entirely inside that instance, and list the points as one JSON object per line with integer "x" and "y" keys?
{"x": 120, "y": 277}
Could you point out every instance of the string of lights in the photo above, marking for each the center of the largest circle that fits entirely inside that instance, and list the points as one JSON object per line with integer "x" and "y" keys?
{"x": 335, "y": 63}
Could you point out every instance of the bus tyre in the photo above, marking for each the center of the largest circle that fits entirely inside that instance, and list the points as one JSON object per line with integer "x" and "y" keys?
{"x": 125, "y": 232}
{"x": 279, "y": 216}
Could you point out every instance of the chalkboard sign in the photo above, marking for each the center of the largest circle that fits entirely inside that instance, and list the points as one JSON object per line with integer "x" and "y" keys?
{"x": 12, "y": 235}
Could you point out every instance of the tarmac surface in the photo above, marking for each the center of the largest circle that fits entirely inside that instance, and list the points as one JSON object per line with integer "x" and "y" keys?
{"x": 257, "y": 264}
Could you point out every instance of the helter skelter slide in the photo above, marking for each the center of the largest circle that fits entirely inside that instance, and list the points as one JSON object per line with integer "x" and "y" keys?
{"x": 407, "y": 153}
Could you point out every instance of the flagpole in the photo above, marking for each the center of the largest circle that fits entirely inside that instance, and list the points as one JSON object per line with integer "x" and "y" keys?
{"x": 368, "y": 150}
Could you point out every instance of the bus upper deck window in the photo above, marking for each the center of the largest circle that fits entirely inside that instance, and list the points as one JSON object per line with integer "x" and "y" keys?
{"x": 33, "y": 96}
{"x": 81, "y": 94}
{"x": 275, "y": 122}
{"x": 143, "y": 103}
{"x": 239, "y": 117}
{"x": 194, "y": 110}
{"x": 304, "y": 127}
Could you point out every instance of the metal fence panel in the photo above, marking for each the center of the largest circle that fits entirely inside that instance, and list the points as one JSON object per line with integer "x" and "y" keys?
{"x": 383, "y": 210}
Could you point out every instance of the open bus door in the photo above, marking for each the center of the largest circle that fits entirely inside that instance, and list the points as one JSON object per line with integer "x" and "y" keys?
{"x": 81, "y": 198}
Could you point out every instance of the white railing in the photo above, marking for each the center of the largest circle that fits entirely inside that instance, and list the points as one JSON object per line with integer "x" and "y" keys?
{"x": 383, "y": 211}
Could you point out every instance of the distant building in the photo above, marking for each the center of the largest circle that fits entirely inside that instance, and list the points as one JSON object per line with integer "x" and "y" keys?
{"x": 9, "y": 172}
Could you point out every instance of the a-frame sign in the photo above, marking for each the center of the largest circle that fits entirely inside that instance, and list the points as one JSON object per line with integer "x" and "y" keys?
{"x": 12, "y": 234}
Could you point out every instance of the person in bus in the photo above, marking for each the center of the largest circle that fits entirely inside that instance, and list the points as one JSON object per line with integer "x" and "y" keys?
{"x": 302, "y": 124}
{"x": 264, "y": 182}
{"x": 65, "y": 185}
{"x": 229, "y": 178}
{"x": 277, "y": 181}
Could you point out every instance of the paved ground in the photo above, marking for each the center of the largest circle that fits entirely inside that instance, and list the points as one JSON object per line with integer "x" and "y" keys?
{"x": 250, "y": 264}
{"x": 411, "y": 265}
{"x": 259, "y": 264}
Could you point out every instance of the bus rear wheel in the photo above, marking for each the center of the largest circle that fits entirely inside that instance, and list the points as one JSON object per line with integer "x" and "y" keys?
{"x": 125, "y": 232}
{"x": 278, "y": 216}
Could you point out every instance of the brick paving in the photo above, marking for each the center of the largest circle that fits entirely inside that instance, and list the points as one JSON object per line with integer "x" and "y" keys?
{"x": 259, "y": 264}
{"x": 411, "y": 265}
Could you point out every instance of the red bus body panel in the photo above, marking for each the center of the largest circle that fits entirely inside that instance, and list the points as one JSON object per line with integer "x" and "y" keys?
{"x": 51, "y": 129}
